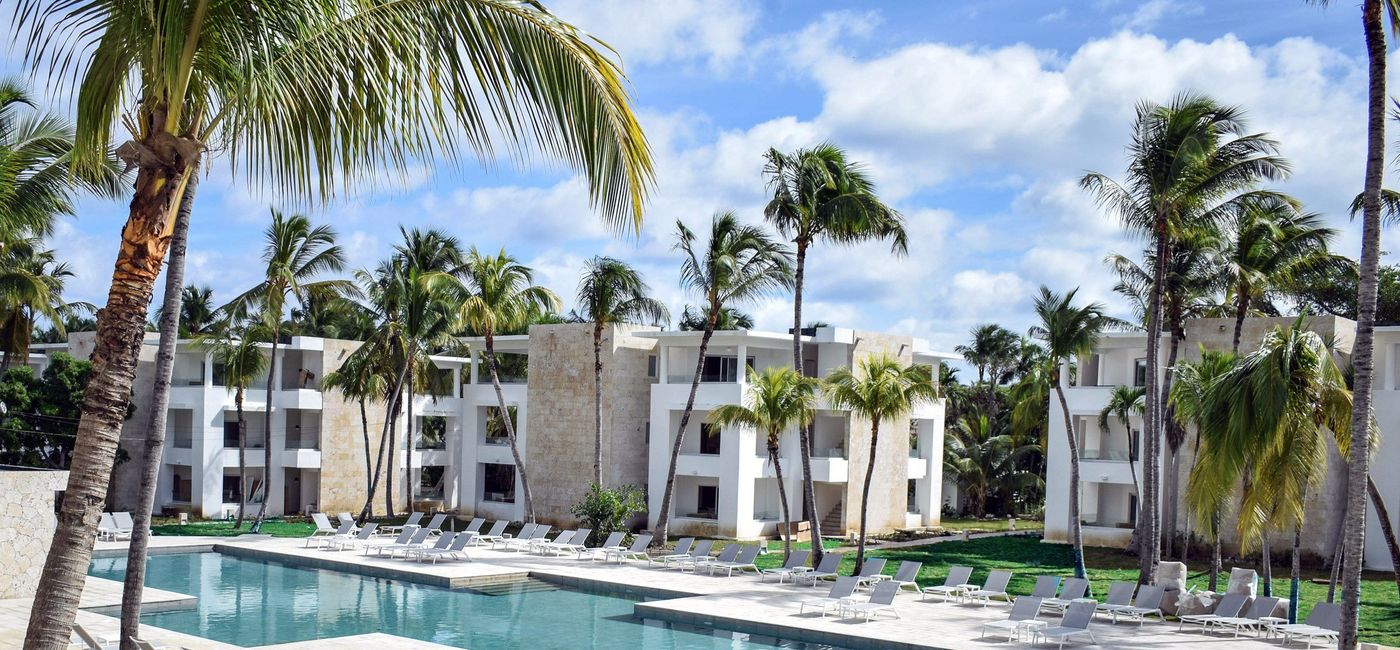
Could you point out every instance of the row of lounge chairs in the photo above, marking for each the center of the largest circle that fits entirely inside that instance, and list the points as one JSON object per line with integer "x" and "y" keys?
{"x": 692, "y": 556}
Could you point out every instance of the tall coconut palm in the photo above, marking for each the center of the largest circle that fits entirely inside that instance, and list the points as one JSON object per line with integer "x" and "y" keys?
{"x": 383, "y": 299}
{"x": 730, "y": 319}
{"x": 31, "y": 287}
{"x": 197, "y": 312}
{"x": 987, "y": 463}
{"x": 240, "y": 353}
{"x": 360, "y": 379}
{"x": 294, "y": 254}
{"x": 821, "y": 195}
{"x": 497, "y": 294}
{"x": 778, "y": 399}
{"x": 881, "y": 390}
{"x": 1188, "y": 404}
{"x": 1069, "y": 331}
{"x": 1271, "y": 245}
{"x": 737, "y": 264}
{"x": 612, "y": 292}
{"x": 430, "y": 79}
{"x": 1124, "y": 402}
{"x": 1187, "y": 158}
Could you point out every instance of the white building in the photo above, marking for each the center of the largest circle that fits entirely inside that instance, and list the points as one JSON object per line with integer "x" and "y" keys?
{"x": 1109, "y": 500}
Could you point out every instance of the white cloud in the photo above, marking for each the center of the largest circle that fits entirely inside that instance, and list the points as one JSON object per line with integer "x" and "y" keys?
{"x": 647, "y": 32}
{"x": 1149, "y": 13}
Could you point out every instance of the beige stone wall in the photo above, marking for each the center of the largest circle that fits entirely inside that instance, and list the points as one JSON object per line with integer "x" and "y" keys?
{"x": 560, "y": 443}
{"x": 26, "y": 527}
{"x": 890, "y": 483}
{"x": 342, "y": 486}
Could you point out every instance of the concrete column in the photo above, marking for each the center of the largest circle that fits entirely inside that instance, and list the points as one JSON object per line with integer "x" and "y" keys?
{"x": 737, "y": 473}
{"x": 274, "y": 478}
{"x": 658, "y": 454}
{"x": 206, "y": 467}
{"x": 662, "y": 371}
{"x": 1064, "y": 374}
{"x": 743, "y": 374}
{"x": 208, "y": 369}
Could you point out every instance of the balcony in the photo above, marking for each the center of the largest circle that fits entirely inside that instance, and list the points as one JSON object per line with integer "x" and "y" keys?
{"x": 694, "y": 464}
{"x": 830, "y": 470}
{"x": 301, "y": 458}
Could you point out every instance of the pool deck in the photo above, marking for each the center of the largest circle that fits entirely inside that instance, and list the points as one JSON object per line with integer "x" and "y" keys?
{"x": 743, "y": 604}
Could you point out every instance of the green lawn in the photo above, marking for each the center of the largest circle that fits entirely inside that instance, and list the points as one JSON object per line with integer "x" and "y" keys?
{"x": 1029, "y": 558}
{"x": 274, "y": 527}
{"x": 990, "y": 525}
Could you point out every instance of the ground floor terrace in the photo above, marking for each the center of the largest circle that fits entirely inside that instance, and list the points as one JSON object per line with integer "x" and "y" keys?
{"x": 727, "y": 609}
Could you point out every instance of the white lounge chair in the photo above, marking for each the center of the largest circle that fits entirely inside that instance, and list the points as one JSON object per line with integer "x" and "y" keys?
{"x": 401, "y": 540}
{"x": 346, "y": 517}
{"x": 795, "y": 564}
{"x": 358, "y": 539}
{"x": 345, "y": 531}
{"x": 474, "y": 526}
{"x": 1120, "y": 595}
{"x": 92, "y": 641}
{"x": 637, "y": 551}
{"x": 872, "y": 572}
{"x": 107, "y": 527}
{"x": 1323, "y": 623}
{"x": 412, "y": 520}
{"x": 575, "y": 544}
{"x": 525, "y": 532}
{"x": 543, "y": 546}
{"x": 323, "y": 525}
{"x": 1075, "y": 622}
{"x": 747, "y": 554}
{"x": 1262, "y": 606}
{"x": 1229, "y": 606}
{"x": 1046, "y": 586}
{"x": 908, "y": 574}
{"x": 682, "y": 550}
{"x": 1148, "y": 603}
{"x": 881, "y": 601}
{"x": 492, "y": 535}
{"x": 844, "y": 587}
{"x": 827, "y": 568}
{"x": 523, "y": 543}
{"x": 415, "y": 541}
{"x": 143, "y": 644}
{"x": 124, "y": 524}
{"x": 701, "y": 549}
{"x": 1024, "y": 609}
{"x": 457, "y": 549}
{"x": 1072, "y": 590}
{"x": 613, "y": 542}
{"x": 994, "y": 587}
{"x": 444, "y": 541}
{"x": 726, "y": 555}
{"x": 954, "y": 585}
{"x": 435, "y": 524}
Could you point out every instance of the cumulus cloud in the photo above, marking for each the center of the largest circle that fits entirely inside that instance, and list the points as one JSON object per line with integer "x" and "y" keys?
{"x": 645, "y": 32}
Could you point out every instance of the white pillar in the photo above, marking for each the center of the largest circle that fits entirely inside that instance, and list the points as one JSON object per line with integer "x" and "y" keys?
{"x": 661, "y": 366}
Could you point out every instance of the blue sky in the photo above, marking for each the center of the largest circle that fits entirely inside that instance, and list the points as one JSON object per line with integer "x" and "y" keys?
{"x": 974, "y": 118}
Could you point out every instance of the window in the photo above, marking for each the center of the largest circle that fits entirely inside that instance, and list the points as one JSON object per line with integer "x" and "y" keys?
{"x": 231, "y": 434}
{"x": 913, "y": 496}
{"x": 1140, "y": 372}
{"x": 722, "y": 369}
{"x": 707, "y": 502}
{"x": 651, "y": 365}
{"x": 648, "y": 434}
{"x": 430, "y": 482}
{"x": 498, "y": 483}
{"x": 233, "y": 489}
{"x": 432, "y": 432}
{"x": 913, "y": 438}
{"x": 709, "y": 439}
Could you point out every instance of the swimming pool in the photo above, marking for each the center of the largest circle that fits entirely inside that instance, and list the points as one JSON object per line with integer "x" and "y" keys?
{"x": 251, "y": 602}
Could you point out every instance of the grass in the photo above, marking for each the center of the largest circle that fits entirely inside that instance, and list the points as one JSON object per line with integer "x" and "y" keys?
{"x": 274, "y": 527}
{"x": 1028, "y": 558}
{"x": 990, "y": 525}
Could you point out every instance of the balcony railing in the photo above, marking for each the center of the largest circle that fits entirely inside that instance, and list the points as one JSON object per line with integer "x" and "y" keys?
{"x": 1106, "y": 454}
{"x": 828, "y": 452}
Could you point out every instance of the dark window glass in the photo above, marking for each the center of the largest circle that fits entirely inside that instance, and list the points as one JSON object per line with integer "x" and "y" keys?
{"x": 1140, "y": 372}
{"x": 709, "y": 439}
{"x": 707, "y": 501}
{"x": 498, "y": 482}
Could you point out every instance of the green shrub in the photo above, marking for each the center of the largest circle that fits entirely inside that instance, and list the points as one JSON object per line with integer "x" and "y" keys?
{"x": 607, "y": 510}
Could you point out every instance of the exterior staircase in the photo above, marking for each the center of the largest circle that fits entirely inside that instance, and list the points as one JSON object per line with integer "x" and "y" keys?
{"x": 834, "y": 523}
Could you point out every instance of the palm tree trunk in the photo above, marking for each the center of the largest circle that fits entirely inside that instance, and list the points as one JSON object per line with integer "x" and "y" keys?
{"x": 1241, "y": 309}
{"x": 782, "y": 497}
{"x": 267, "y": 428}
{"x": 1175, "y": 436}
{"x": 121, "y": 323}
{"x": 865, "y": 495}
{"x": 1076, "y": 526}
{"x": 1297, "y": 576}
{"x": 1354, "y": 522}
{"x": 409, "y": 483}
{"x": 393, "y": 459}
{"x": 1383, "y": 514}
{"x": 804, "y": 433}
{"x": 386, "y": 443}
{"x": 364, "y": 428}
{"x": 1149, "y": 512}
{"x": 598, "y": 403}
{"x": 1337, "y": 561}
{"x": 242, "y": 457}
{"x": 1215, "y": 564}
{"x": 663, "y": 519}
{"x": 510, "y": 429}
{"x": 1266, "y": 564}
{"x": 154, "y": 442}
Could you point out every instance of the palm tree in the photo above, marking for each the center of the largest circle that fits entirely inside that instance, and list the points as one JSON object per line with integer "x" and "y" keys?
{"x": 993, "y": 351}
{"x": 294, "y": 253}
{"x": 430, "y": 79}
{"x": 241, "y": 356}
{"x": 779, "y": 398}
{"x": 38, "y": 179}
{"x": 197, "y": 313}
{"x": 739, "y": 263}
{"x": 360, "y": 379}
{"x": 497, "y": 294}
{"x": 1267, "y": 421}
{"x": 988, "y": 465}
{"x": 383, "y": 292}
{"x": 884, "y": 390}
{"x": 1187, "y": 158}
{"x": 31, "y": 287}
{"x": 612, "y": 292}
{"x": 730, "y": 319}
{"x": 1123, "y": 403}
{"x": 820, "y": 195}
{"x": 1188, "y": 404}
{"x": 1069, "y": 331}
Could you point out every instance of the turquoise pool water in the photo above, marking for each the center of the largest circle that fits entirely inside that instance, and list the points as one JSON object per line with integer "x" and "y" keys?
{"x": 250, "y": 603}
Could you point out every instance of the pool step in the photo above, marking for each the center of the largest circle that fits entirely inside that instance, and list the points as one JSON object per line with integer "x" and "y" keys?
{"x": 527, "y": 586}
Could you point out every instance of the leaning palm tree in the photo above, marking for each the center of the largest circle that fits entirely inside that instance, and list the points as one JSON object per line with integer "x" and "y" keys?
{"x": 739, "y": 263}
{"x": 240, "y": 354}
{"x": 430, "y": 80}
{"x": 1124, "y": 403}
{"x": 359, "y": 379}
{"x": 1069, "y": 331}
{"x": 820, "y": 195}
{"x": 497, "y": 294}
{"x": 1188, "y": 403}
{"x": 1187, "y": 158}
{"x": 612, "y": 292}
{"x": 778, "y": 399}
{"x": 882, "y": 391}
{"x": 294, "y": 254}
